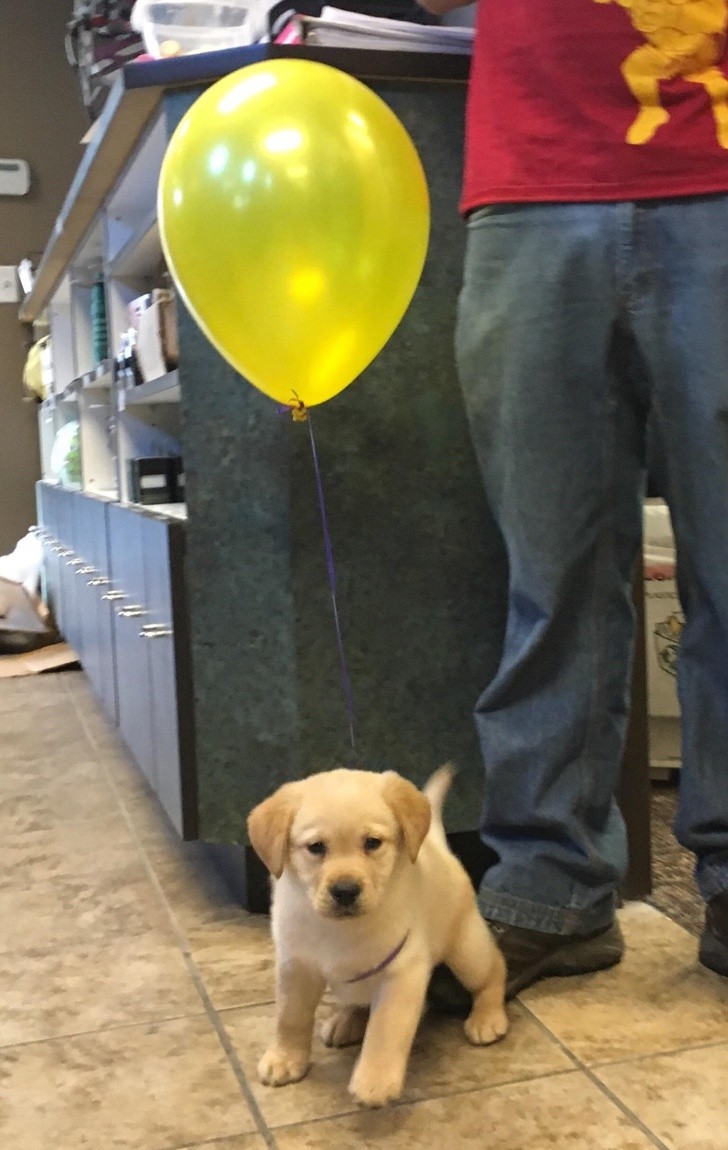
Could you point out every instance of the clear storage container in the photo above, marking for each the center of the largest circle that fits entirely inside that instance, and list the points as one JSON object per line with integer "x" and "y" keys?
{"x": 182, "y": 27}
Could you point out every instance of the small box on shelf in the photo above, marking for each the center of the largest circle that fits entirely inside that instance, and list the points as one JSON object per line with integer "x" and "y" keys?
{"x": 154, "y": 480}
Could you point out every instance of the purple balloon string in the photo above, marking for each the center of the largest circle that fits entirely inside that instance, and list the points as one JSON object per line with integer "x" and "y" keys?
{"x": 331, "y": 569}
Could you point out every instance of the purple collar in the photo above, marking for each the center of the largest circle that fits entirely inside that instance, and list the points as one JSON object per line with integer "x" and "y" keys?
{"x": 382, "y": 965}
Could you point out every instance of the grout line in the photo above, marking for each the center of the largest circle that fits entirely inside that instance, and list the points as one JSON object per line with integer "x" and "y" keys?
{"x": 404, "y": 1103}
{"x": 223, "y": 1140}
{"x": 157, "y": 1020}
{"x": 185, "y": 947}
{"x": 616, "y": 1101}
{"x": 671, "y": 1052}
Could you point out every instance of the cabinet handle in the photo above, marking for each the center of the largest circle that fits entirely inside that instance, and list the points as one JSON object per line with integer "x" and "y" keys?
{"x": 102, "y": 581}
{"x": 162, "y": 633}
{"x": 133, "y": 611}
{"x": 86, "y": 571}
{"x": 112, "y": 596}
{"x": 73, "y": 562}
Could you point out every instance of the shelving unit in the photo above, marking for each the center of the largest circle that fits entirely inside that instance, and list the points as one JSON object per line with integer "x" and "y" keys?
{"x": 122, "y": 250}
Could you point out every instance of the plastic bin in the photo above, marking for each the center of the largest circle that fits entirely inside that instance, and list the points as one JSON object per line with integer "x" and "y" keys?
{"x": 183, "y": 27}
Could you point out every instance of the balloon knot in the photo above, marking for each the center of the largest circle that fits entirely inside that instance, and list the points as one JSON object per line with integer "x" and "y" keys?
{"x": 299, "y": 411}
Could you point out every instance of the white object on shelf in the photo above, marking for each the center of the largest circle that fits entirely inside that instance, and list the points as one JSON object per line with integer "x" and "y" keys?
{"x": 65, "y": 462}
{"x": 183, "y": 27}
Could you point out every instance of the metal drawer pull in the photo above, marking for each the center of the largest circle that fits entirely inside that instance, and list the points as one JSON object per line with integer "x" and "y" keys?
{"x": 112, "y": 596}
{"x": 162, "y": 633}
{"x": 133, "y": 611}
{"x": 86, "y": 571}
{"x": 74, "y": 562}
{"x": 102, "y": 581}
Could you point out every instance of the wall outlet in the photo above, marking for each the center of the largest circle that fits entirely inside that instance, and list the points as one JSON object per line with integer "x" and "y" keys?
{"x": 9, "y": 284}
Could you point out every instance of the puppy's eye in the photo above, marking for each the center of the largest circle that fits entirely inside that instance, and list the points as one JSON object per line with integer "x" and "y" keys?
{"x": 316, "y": 848}
{"x": 372, "y": 844}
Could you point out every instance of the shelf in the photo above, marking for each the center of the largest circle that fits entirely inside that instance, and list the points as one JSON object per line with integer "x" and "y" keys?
{"x": 162, "y": 390}
{"x": 99, "y": 379}
{"x": 141, "y": 255}
{"x": 119, "y": 128}
{"x": 168, "y": 510}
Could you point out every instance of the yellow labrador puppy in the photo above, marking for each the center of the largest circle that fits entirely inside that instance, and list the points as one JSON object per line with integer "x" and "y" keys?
{"x": 367, "y": 899}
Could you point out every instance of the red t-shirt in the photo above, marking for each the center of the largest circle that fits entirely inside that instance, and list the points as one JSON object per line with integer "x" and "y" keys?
{"x": 597, "y": 100}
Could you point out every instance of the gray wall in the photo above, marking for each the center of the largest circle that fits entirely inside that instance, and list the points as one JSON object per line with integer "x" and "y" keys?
{"x": 42, "y": 121}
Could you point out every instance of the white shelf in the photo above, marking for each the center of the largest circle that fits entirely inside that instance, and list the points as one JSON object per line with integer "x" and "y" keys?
{"x": 99, "y": 379}
{"x": 162, "y": 390}
{"x": 169, "y": 510}
{"x": 141, "y": 254}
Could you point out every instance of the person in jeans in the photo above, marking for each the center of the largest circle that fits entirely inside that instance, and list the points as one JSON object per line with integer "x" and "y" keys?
{"x": 593, "y": 325}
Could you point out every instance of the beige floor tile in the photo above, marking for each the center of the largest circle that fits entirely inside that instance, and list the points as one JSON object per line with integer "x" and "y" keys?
{"x": 442, "y": 1062}
{"x": 194, "y": 888}
{"x": 141, "y": 1088}
{"x": 658, "y": 999}
{"x": 47, "y": 769}
{"x": 43, "y": 807}
{"x": 546, "y": 1114}
{"x": 99, "y": 845}
{"x": 149, "y": 824}
{"x": 69, "y": 991}
{"x": 235, "y": 961}
{"x": 77, "y": 910}
{"x": 681, "y": 1097}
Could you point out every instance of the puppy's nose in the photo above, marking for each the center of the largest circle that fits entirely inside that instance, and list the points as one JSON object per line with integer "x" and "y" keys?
{"x": 345, "y": 893}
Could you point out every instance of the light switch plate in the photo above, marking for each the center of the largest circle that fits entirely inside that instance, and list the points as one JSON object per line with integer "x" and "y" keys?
{"x": 9, "y": 292}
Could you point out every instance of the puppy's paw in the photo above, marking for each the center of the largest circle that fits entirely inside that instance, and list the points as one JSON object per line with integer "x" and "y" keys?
{"x": 374, "y": 1089}
{"x": 345, "y": 1027}
{"x": 482, "y": 1027}
{"x": 278, "y": 1067}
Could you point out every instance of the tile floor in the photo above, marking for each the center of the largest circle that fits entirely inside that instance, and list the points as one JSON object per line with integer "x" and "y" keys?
{"x": 135, "y": 997}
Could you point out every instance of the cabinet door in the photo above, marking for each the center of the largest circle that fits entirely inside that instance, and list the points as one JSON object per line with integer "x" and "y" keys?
{"x": 98, "y": 552}
{"x": 48, "y": 518}
{"x": 132, "y": 652}
{"x": 67, "y": 558}
{"x": 94, "y": 611}
{"x": 164, "y": 631}
{"x": 85, "y": 598}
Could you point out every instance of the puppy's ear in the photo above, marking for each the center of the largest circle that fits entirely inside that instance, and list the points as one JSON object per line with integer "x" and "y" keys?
{"x": 410, "y": 808}
{"x": 269, "y": 825}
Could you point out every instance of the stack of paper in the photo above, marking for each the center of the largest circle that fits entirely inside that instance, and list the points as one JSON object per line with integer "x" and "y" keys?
{"x": 337, "y": 28}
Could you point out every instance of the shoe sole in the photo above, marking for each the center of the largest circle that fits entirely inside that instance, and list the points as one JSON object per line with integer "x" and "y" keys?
{"x": 713, "y": 954}
{"x": 587, "y": 957}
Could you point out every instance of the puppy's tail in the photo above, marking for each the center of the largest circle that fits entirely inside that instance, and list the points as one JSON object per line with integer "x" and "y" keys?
{"x": 436, "y": 789}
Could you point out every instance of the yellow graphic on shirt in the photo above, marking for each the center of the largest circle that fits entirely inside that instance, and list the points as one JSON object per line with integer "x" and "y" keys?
{"x": 685, "y": 38}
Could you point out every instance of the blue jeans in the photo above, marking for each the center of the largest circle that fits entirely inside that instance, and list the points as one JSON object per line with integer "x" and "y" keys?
{"x": 585, "y": 332}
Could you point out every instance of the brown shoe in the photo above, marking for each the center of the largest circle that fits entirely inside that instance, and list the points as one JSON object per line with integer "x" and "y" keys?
{"x": 531, "y": 955}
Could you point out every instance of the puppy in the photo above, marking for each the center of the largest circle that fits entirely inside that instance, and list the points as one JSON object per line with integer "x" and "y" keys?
{"x": 367, "y": 900}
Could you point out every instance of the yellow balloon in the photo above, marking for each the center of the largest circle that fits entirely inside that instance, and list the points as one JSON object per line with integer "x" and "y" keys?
{"x": 294, "y": 216}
